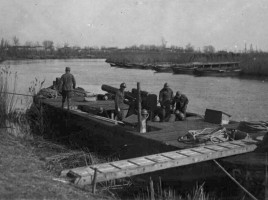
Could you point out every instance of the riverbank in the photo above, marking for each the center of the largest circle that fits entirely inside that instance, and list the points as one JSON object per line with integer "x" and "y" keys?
{"x": 27, "y": 175}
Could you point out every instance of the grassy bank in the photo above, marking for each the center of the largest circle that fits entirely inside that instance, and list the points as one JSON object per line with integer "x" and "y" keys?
{"x": 29, "y": 164}
{"x": 26, "y": 176}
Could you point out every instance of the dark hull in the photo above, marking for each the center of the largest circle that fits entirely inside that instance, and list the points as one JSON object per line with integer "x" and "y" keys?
{"x": 215, "y": 72}
{"x": 182, "y": 70}
{"x": 162, "y": 69}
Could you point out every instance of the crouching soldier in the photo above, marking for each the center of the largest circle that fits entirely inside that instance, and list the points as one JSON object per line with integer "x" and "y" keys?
{"x": 179, "y": 104}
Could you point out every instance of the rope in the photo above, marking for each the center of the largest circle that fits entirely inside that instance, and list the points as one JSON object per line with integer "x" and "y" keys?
{"x": 215, "y": 136}
{"x": 235, "y": 181}
{"x": 17, "y": 94}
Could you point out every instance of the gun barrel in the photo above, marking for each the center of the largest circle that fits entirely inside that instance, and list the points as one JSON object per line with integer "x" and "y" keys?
{"x": 113, "y": 90}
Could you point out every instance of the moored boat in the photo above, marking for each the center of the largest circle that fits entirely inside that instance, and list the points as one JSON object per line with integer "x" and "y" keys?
{"x": 219, "y": 72}
{"x": 186, "y": 68}
{"x": 162, "y": 68}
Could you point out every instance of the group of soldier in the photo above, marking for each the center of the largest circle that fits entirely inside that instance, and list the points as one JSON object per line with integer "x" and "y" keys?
{"x": 169, "y": 103}
{"x": 172, "y": 104}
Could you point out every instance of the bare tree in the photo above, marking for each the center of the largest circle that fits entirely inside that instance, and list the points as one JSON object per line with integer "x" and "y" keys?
{"x": 189, "y": 48}
{"x": 16, "y": 41}
{"x": 209, "y": 49}
{"x": 163, "y": 42}
{"x": 48, "y": 44}
{"x": 29, "y": 43}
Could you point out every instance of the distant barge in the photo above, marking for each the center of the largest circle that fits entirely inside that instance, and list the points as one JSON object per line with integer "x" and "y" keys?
{"x": 193, "y": 68}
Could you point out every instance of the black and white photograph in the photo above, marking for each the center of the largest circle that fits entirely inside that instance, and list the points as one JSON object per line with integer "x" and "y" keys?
{"x": 134, "y": 99}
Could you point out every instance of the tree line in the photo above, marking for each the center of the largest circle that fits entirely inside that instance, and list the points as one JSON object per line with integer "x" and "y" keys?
{"x": 47, "y": 50}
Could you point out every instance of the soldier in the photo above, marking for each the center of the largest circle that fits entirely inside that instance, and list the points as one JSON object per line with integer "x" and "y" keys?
{"x": 181, "y": 102}
{"x": 165, "y": 99}
{"x": 119, "y": 101}
{"x": 67, "y": 83}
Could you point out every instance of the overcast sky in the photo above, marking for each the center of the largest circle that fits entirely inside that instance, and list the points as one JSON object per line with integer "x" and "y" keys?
{"x": 225, "y": 24}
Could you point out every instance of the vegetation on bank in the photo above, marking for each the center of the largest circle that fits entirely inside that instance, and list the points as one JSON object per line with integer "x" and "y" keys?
{"x": 255, "y": 64}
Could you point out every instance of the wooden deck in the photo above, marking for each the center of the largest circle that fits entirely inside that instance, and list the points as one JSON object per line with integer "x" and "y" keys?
{"x": 155, "y": 150}
{"x": 164, "y": 133}
{"x": 151, "y": 163}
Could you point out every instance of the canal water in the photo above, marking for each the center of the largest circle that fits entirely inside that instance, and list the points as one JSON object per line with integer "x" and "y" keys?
{"x": 243, "y": 98}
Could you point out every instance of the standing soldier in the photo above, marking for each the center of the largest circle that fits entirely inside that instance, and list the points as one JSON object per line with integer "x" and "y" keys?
{"x": 119, "y": 101}
{"x": 67, "y": 85}
{"x": 165, "y": 99}
{"x": 181, "y": 102}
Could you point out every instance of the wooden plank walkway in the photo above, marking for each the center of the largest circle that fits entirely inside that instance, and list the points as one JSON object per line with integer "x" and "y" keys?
{"x": 151, "y": 163}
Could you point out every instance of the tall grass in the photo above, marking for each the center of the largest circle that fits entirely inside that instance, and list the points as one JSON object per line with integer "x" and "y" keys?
{"x": 197, "y": 193}
{"x": 14, "y": 106}
{"x": 8, "y": 102}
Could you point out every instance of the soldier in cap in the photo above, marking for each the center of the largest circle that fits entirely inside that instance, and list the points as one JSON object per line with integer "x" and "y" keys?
{"x": 68, "y": 83}
{"x": 179, "y": 104}
{"x": 165, "y": 99}
{"x": 119, "y": 101}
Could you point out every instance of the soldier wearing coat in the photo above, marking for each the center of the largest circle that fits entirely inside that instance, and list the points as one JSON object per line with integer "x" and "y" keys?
{"x": 67, "y": 84}
{"x": 119, "y": 101}
{"x": 165, "y": 99}
{"x": 179, "y": 105}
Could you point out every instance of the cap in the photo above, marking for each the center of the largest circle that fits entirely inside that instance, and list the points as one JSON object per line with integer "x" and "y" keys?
{"x": 166, "y": 85}
{"x": 144, "y": 112}
{"x": 123, "y": 85}
{"x": 100, "y": 109}
{"x": 67, "y": 69}
{"x": 178, "y": 93}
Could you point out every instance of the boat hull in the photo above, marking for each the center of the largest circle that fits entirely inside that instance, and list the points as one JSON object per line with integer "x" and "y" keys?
{"x": 216, "y": 72}
{"x": 182, "y": 70}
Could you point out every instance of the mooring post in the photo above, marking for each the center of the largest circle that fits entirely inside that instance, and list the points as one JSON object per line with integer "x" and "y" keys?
{"x": 160, "y": 185}
{"x": 139, "y": 106}
{"x": 266, "y": 178}
{"x": 94, "y": 183}
{"x": 152, "y": 189}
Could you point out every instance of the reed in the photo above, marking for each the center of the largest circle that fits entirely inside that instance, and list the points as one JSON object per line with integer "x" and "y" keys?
{"x": 8, "y": 102}
{"x": 255, "y": 64}
{"x": 161, "y": 193}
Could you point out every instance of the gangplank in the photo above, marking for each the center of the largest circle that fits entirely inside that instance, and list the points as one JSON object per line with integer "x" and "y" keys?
{"x": 151, "y": 163}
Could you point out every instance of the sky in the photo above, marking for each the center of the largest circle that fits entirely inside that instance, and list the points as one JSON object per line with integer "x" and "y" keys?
{"x": 225, "y": 24}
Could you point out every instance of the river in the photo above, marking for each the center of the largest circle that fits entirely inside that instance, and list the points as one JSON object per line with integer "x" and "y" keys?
{"x": 243, "y": 98}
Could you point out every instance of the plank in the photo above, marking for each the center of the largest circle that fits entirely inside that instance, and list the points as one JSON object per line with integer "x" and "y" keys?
{"x": 83, "y": 171}
{"x": 215, "y": 147}
{"x": 141, "y": 165}
{"x": 228, "y": 145}
{"x": 203, "y": 150}
{"x": 106, "y": 167}
{"x": 123, "y": 164}
{"x": 188, "y": 152}
{"x": 141, "y": 161}
{"x": 157, "y": 158}
{"x": 174, "y": 155}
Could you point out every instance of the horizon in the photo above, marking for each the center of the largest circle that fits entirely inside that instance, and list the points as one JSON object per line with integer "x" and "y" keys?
{"x": 226, "y": 25}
